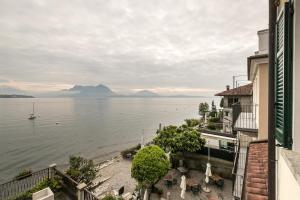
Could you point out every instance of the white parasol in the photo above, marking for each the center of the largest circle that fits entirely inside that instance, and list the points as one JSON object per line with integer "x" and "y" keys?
{"x": 183, "y": 186}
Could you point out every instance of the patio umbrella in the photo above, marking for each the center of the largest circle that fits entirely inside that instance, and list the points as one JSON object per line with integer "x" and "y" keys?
{"x": 207, "y": 175}
{"x": 183, "y": 186}
{"x": 208, "y": 170}
{"x": 146, "y": 195}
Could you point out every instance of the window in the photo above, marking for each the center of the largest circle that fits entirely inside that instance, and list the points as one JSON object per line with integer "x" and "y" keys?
{"x": 232, "y": 101}
{"x": 222, "y": 144}
{"x": 283, "y": 76}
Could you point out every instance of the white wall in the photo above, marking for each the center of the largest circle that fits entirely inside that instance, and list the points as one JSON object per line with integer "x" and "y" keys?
{"x": 287, "y": 186}
{"x": 296, "y": 79}
{"x": 263, "y": 41}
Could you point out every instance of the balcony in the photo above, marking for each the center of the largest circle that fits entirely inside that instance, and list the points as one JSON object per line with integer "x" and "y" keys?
{"x": 245, "y": 117}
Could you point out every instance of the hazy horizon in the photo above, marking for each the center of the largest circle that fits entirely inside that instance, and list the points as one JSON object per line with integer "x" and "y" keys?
{"x": 183, "y": 48}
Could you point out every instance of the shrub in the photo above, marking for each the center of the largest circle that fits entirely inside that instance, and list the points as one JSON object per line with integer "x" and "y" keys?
{"x": 149, "y": 165}
{"x": 211, "y": 126}
{"x": 214, "y": 119}
{"x": 53, "y": 183}
{"x": 192, "y": 122}
{"x": 110, "y": 197}
{"x": 81, "y": 169}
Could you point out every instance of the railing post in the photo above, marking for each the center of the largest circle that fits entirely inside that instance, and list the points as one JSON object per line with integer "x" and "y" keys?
{"x": 51, "y": 169}
{"x": 80, "y": 191}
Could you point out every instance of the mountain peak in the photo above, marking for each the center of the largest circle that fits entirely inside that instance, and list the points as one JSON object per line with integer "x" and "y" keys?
{"x": 99, "y": 90}
{"x": 146, "y": 93}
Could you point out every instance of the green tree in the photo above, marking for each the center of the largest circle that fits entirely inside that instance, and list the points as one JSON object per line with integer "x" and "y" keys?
{"x": 81, "y": 169}
{"x": 149, "y": 165}
{"x": 166, "y": 137}
{"x": 192, "y": 122}
{"x": 222, "y": 102}
{"x": 203, "y": 108}
{"x": 181, "y": 138}
{"x": 189, "y": 141}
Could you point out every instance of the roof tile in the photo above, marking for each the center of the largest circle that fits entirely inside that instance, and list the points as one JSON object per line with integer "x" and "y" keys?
{"x": 256, "y": 185}
{"x": 245, "y": 90}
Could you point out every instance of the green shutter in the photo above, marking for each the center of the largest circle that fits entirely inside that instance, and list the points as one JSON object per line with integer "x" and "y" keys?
{"x": 283, "y": 77}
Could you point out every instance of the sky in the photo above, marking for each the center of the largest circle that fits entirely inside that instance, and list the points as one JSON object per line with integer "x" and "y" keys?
{"x": 167, "y": 46}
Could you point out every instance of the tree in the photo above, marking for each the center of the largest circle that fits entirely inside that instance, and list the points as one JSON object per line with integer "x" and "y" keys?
{"x": 181, "y": 138}
{"x": 192, "y": 122}
{"x": 222, "y": 102}
{"x": 203, "y": 108}
{"x": 165, "y": 138}
{"x": 189, "y": 141}
{"x": 81, "y": 169}
{"x": 149, "y": 165}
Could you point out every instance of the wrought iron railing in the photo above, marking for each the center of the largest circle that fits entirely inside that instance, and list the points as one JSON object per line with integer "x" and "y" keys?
{"x": 17, "y": 187}
{"x": 14, "y": 188}
{"x": 245, "y": 117}
{"x": 240, "y": 163}
{"x": 89, "y": 196}
{"x": 69, "y": 185}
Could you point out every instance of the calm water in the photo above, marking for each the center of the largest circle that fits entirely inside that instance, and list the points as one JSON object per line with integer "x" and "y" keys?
{"x": 94, "y": 128}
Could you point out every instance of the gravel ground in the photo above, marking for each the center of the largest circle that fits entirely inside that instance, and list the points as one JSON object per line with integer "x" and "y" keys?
{"x": 115, "y": 173}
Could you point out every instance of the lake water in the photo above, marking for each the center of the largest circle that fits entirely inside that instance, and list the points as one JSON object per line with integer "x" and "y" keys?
{"x": 94, "y": 128}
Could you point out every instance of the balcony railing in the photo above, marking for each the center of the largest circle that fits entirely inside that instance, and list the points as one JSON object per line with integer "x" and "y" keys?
{"x": 239, "y": 167}
{"x": 245, "y": 117}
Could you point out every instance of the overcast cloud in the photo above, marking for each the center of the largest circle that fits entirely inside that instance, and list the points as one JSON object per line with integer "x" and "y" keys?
{"x": 169, "y": 46}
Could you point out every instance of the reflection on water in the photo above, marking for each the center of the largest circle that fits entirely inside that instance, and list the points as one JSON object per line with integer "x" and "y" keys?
{"x": 82, "y": 126}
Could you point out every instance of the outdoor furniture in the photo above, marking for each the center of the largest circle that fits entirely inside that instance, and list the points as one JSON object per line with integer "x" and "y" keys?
{"x": 218, "y": 180}
{"x": 168, "y": 180}
{"x": 183, "y": 171}
{"x": 193, "y": 185}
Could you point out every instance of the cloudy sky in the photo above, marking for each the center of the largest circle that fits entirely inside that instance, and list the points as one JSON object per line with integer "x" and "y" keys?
{"x": 167, "y": 46}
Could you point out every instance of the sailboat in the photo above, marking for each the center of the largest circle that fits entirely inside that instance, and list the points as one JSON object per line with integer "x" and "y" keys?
{"x": 32, "y": 115}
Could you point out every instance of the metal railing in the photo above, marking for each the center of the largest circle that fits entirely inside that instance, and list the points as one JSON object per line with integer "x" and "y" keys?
{"x": 16, "y": 187}
{"x": 240, "y": 163}
{"x": 88, "y": 195}
{"x": 245, "y": 117}
{"x": 69, "y": 186}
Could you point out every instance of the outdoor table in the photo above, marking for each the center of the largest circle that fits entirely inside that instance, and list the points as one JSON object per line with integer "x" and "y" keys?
{"x": 168, "y": 179}
{"x": 216, "y": 178}
{"x": 183, "y": 170}
{"x": 192, "y": 184}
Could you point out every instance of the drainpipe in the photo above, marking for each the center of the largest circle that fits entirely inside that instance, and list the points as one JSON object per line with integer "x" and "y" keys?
{"x": 271, "y": 108}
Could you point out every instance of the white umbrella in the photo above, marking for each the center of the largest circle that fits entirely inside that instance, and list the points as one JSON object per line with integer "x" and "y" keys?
{"x": 208, "y": 170}
{"x": 183, "y": 186}
{"x": 146, "y": 195}
{"x": 207, "y": 175}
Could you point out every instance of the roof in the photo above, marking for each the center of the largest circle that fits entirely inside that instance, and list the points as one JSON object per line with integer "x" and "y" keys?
{"x": 245, "y": 90}
{"x": 250, "y": 58}
{"x": 256, "y": 185}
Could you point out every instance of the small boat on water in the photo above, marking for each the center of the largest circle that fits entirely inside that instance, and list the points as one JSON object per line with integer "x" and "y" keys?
{"x": 32, "y": 115}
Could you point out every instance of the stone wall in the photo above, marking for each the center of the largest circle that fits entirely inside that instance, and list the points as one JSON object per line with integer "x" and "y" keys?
{"x": 198, "y": 162}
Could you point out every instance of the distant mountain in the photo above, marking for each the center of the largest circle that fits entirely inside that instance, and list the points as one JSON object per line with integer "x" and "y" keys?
{"x": 145, "y": 93}
{"x": 88, "y": 91}
{"x": 11, "y": 90}
{"x": 14, "y": 96}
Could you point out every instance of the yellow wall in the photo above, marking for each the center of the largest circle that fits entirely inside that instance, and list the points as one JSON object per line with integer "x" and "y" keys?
{"x": 263, "y": 101}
